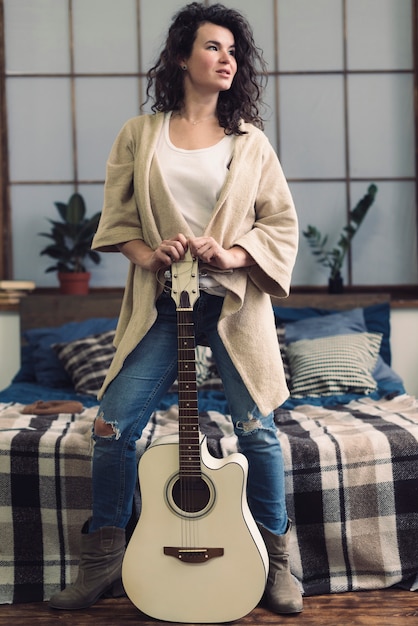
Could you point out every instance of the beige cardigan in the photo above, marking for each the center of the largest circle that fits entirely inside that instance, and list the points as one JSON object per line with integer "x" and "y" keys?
{"x": 255, "y": 211}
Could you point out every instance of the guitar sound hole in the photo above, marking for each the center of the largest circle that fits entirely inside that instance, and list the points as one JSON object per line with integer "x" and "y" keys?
{"x": 191, "y": 494}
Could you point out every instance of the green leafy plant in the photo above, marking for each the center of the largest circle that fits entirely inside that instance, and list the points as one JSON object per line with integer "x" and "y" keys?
{"x": 72, "y": 237}
{"x": 333, "y": 259}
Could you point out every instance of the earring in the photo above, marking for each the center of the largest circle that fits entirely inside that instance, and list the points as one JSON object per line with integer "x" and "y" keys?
{"x": 184, "y": 68}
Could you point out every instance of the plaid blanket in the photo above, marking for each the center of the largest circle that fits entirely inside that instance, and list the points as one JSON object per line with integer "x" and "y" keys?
{"x": 351, "y": 481}
{"x": 352, "y": 490}
{"x": 45, "y": 497}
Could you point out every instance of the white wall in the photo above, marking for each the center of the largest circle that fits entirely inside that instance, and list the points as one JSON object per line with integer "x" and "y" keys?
{"x": 9, "y": 347}
{"x": 404, "y": 343}
{"x": 330, "y": 115}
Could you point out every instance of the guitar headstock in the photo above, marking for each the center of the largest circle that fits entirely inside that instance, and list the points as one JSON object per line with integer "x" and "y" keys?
{"x": 185, "y": 282}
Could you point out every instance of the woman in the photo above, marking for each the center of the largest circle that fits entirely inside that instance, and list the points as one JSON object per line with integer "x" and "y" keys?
{"x": 197, "y": 174}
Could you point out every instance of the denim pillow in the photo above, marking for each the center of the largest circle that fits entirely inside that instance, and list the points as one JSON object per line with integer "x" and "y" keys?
{"x": 27, "y": 372}
{"x": 343, "y": 323}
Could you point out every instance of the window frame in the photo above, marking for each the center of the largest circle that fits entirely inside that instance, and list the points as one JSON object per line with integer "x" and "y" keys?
{"x": 6, "y": 257}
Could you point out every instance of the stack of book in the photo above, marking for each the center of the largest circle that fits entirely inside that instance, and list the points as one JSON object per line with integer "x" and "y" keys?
{"x": 12, "y": 291}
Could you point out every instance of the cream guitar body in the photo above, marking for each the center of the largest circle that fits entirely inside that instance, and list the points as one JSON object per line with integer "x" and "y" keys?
{"x": 196, "y": 554}
{"x": 208, "y": 565}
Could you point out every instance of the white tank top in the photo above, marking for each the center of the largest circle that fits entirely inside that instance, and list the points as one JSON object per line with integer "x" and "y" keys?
{"x": 194, "y": 177}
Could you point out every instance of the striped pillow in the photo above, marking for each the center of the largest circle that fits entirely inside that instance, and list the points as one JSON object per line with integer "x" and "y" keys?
{"x": 281, "y": 336}
{"x": 87, "y": 360}
{"x": 333, "y": 365}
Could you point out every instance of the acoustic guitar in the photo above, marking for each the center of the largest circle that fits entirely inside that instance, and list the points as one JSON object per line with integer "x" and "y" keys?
{"x": 196, "y": 554}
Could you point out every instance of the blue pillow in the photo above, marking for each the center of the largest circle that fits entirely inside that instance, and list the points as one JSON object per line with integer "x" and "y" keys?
{"x": 26, "y": 373}
{"x": 342, "y": 323}
{"x": 376, "y": 318}
{"x": 49, "y": 371}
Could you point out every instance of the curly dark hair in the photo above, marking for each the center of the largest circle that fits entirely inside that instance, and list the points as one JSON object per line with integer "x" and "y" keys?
{"x": 165, "y": 79}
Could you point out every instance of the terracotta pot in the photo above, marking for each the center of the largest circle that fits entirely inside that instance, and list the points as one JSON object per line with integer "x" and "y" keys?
{"x": 75, "y": 283}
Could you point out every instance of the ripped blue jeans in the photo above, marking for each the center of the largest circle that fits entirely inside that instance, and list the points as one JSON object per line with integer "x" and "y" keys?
{"x": 133, "y": 395}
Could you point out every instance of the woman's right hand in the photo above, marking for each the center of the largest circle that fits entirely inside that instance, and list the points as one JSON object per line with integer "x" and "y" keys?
{"x": 169, "y": 251}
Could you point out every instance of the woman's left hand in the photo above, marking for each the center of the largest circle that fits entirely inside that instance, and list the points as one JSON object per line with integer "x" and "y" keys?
{"x": 209, "y": 251}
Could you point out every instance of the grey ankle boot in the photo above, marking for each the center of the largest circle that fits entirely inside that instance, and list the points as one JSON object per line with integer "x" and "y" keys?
{"x": 99, "y": 569}
{"x": 282, "y": 593}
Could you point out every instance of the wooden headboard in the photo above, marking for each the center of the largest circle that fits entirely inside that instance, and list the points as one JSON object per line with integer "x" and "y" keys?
{"x": 339, "y": 302}
{"x": 38, "y": 310}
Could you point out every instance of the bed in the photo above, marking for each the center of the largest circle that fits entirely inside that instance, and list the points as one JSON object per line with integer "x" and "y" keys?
{"x": 349, "y": 435}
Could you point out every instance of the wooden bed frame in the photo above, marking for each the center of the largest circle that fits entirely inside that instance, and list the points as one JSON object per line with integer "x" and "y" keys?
{"x": 314, "y": 458}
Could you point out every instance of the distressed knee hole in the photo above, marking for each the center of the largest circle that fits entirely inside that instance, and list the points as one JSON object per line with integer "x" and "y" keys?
{"x": 105, "y": 429}
{"x": 249, "y": 425}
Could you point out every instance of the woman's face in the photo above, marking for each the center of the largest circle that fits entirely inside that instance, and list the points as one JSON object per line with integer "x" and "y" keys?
{"x": 211, "y": 66}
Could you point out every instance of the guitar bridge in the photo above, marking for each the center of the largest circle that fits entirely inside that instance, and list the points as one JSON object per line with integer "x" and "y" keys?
{"x": 193, "y": 555}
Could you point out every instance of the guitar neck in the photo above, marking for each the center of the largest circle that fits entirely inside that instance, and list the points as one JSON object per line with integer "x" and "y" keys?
{"x": 189, "y": 437}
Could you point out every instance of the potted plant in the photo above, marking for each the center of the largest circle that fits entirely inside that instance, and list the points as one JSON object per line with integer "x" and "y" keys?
{"x": 71, "y": 245}
{"x": 333, "y": 259}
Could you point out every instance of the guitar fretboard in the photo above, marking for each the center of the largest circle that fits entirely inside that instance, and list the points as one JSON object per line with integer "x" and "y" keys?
{"x": 189, "y": 443}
